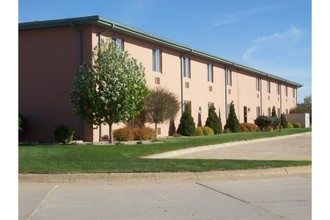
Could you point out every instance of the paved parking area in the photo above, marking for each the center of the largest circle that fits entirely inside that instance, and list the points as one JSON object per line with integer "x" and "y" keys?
{"x": 291, "y": 147}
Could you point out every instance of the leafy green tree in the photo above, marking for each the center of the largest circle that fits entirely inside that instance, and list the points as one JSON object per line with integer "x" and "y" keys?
{"x": 232, "y": 122}
{"x": 110, "y": 88}
{"x": 161, "y": 105}
{"x": 213, "y": 121}
{"x": 187, "y": 124}
{"x": 274, "y": 112}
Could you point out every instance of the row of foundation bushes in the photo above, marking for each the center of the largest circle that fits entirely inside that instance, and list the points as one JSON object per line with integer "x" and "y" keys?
{"x": 130, "y": 134}
{"x": 204, "y": 131}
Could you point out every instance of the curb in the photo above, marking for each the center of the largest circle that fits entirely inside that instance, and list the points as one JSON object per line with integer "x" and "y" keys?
{"x": 112, "y": 178}
{"x": 173, "y": 154}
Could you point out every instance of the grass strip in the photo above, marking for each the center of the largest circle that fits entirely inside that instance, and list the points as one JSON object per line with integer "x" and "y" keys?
{"x": 127, "y": 158}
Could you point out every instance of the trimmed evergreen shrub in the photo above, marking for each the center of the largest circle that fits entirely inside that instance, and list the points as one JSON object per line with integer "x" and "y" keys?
{"x": 289, "y": 125}
{"x": 284, "y": 122}
{"x": 187, "y": 124}
{"x": 63, "y": 134}
{"x": 232, "y": 123}
{"x": 274, "y": 112}
{"x": 213, "y": 121}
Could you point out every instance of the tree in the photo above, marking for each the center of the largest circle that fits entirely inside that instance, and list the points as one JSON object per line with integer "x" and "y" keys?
{"x": 213, "y": 121}
{"x": 161, "y": 105}
{"x": 110, "y": 88}
{"x": 274, "y": 112}
{"x": 187, "y": 124}
{"x": 232, "y": 122}
{"x": 284, "y": 122}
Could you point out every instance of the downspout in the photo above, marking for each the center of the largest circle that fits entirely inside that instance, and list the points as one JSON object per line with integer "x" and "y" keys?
{"x": 226, "y": 96}
{"x": 182, "y": 70}
{"x": 80, "y": 62}
{"x": 261, "y": 96}
{"x": 281, "y": 99}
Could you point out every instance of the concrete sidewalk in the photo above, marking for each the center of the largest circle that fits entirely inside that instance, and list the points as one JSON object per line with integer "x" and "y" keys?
{"x": 289, "y": 147}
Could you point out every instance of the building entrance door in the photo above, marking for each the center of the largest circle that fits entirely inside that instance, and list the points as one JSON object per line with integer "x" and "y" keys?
{"x": 245, "y": 114}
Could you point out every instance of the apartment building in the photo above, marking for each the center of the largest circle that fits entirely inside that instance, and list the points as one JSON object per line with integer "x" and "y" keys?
{"x": 51, "y": 51}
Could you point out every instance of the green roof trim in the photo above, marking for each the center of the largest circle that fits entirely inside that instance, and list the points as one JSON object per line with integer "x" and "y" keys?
{"x": 106, "y": 23}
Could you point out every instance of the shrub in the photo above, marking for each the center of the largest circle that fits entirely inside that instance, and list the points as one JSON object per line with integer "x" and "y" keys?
{"x": 296, "y": 124}
{"x": 289, "y": 125}
{"x": 143, "y": 133}
{"x": 284, "y": 122}
{"x": 248, "y": 127}
{"x": 267, "y": 123}
{"x": 63, "y": 134}
{"x": 232, "y": 122}
{"x": 187, "y": 124}
{"x": 199, "y": 131}
{"x": 123, "y": 134}
{"x": 207, "y": 130}
{"x": 213, "y": 121}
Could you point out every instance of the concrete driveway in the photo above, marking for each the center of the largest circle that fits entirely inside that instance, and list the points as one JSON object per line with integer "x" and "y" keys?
{"x": 290, "y": 147}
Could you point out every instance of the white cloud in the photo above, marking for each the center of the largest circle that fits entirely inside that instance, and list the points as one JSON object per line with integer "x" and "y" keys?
{"x": 292, "y": 34}
{"x": 283, "y": 41}
{"x": 228, "y": 18}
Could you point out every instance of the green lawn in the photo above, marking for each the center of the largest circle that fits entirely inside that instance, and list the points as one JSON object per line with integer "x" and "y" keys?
{"x": 127, "y": 158}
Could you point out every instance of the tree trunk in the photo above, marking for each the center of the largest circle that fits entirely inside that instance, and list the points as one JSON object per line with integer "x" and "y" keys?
{"x": 110, "y": 134}
{"x": 155, "y": 130}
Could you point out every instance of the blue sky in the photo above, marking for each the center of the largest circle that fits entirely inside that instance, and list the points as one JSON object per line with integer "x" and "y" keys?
{"x": 273, "y": 36}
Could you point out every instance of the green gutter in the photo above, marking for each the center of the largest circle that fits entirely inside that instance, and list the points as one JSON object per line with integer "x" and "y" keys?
{"x": 106, "y": 23}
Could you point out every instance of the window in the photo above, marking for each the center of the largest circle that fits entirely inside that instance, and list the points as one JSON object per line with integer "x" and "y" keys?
{"x": 269, "y": 112}
{"x": 119, "y": 42}
{"x": 268, "y": 86}
{"x": 186, "y": 67}
{"x": 278, "y": 89}
{"x": 293, "y": 93}
{"x": 156, "y": 60}
{"x": 258, "y": 111}
{"x": 286, "y": 91}
{"x": 228, "y": 77}
{"x": 159, "y": 131}
{"x": 258, "y": 80}
{"x": 209, "y": 72}
{"x": 278, "y": 112}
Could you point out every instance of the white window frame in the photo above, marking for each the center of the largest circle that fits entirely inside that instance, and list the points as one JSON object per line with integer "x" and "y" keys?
{"x": 156, "y": 60}
{"x": 210, "y": 73}
{"x": 186, "y": 67}
{"x": 228, "y": 77}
